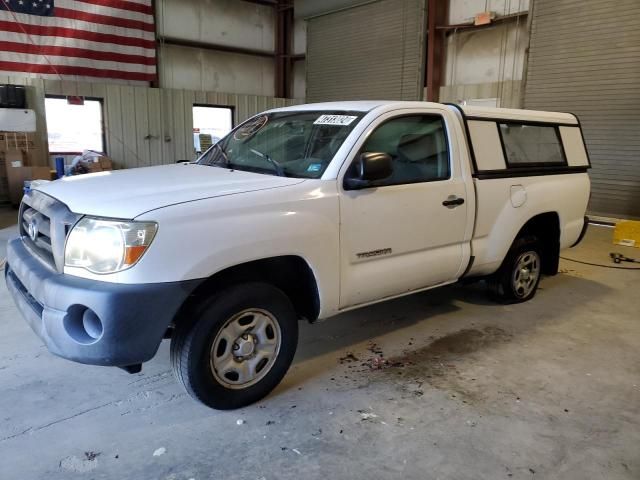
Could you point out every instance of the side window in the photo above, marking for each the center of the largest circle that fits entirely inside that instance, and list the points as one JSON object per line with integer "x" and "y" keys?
{"x": 418, "y": 146}
{"x": 527, "y": 145}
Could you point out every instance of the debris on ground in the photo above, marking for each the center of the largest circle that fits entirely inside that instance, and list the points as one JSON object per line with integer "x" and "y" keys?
{"x": 378, "y": 363}
{"x": 91, "y": 456}
{"x": 160, "y": 451}
{"x": 270, "y": 422}
{"x": 240, "y": 422}
{"x": 366, "y": 416}
{"x": 348, "y": 358}
{"x": 295, "y": 450}
{"x": 375, "y": 349}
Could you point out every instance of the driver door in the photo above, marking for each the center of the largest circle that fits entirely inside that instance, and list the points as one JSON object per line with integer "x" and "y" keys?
{"x": 399, "y": 236}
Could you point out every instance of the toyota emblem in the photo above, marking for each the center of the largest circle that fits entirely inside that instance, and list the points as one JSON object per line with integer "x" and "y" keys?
{"x": 33, "y": 230}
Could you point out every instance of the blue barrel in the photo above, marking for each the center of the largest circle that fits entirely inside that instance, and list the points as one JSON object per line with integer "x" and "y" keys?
{"x": 59, "y": 167}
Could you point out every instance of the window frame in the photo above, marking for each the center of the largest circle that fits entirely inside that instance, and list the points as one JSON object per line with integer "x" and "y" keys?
{"x": 103, "y": 128}
{"x": 516, "y": 166}
{"x": 382, "y": 183}
{"x": 232, "y": 108}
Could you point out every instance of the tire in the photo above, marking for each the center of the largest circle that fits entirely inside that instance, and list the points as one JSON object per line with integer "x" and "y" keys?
{"x": 511, "y": 283}
{"x": 224, "y": 373}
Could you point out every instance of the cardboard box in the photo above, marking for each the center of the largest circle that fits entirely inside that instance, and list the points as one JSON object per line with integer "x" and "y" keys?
{"x": 100, "y": 164}
{"x": 106, "y": 163}
{"x": 18, "y": 167}
{"x": 16, "y": 177}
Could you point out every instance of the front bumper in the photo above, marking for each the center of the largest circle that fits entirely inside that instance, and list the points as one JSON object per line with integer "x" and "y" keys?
{"x": 88, "y": 321}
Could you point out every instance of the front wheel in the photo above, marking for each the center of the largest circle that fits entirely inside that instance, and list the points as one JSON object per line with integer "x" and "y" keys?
{"x": 237, "y": 345}
{"x": 519, "y": 275}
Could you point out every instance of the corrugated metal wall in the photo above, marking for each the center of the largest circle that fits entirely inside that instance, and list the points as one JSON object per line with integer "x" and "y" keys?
{"x": 371, "y": 51}
{"x": 144, "y": 126}
{"x": 584, "y": 58}
{"x": 133, "y": 113}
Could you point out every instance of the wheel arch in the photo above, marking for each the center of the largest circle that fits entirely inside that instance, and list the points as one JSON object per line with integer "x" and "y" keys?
{"x": 546, "y": 228}
{"x": 290, "y": 273}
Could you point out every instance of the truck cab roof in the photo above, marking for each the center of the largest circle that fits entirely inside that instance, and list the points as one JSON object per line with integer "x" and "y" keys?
{"x": 470, "y": 111}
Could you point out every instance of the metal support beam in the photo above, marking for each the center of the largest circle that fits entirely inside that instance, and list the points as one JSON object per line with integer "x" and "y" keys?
{"x": 211, "y": 46}
{"x": 283, "y": 55}
{"x": 436, "y": 15}
{"x": 268, "y": 3}
{"x": 284, "y": 45}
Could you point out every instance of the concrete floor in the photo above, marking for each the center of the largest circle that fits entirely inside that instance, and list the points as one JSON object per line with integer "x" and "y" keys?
{"x": 471, "y": 389}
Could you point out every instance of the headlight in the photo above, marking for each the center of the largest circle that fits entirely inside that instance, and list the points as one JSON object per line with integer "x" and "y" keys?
{"x": 107, "y": 246}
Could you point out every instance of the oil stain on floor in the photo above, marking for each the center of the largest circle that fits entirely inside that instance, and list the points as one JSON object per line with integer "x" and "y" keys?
{"x": 440, "y": 364}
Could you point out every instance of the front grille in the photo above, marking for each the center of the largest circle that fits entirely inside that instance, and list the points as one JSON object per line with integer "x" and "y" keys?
{"x": 33, "y": 221}
{"x": 44, "y": 225}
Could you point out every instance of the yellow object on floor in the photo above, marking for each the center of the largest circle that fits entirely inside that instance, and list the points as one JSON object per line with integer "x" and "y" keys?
{"x": 627, "y": 233}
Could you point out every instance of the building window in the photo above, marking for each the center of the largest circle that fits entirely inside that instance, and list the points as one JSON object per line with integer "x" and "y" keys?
{"x": 210, "y": 124}
{"x": 530, "y": 145}
{"x": 74, "y": 124}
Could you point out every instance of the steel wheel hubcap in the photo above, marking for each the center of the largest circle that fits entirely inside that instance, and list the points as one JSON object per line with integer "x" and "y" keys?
{"x": 526, "y": 273}
{"x": 245, "y": 348}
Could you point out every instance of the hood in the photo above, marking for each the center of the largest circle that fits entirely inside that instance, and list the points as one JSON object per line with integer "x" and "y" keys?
{"x": 129, "y": 193}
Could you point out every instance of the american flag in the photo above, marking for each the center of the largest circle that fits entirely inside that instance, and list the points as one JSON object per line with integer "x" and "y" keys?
{"x": 75, "y": 39}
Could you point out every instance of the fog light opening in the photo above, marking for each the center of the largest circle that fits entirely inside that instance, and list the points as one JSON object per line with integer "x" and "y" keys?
{"x": 92, "y": 324}
{"x": 83, "y": 325}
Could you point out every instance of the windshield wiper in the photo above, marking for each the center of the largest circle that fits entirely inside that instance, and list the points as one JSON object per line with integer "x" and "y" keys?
{"x": 276, "y": 165}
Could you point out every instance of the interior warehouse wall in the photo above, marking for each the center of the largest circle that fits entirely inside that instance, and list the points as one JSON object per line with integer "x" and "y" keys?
{"x": 583, "y": 59}
{"x": 370, "y": 51}
{"x": 227, "y": 23}
{"x": 485, "y": 65}
{"x": 144, "y": 126}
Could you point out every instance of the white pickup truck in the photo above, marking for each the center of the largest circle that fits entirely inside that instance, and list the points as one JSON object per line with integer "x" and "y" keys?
{"x": 299, "y": 213}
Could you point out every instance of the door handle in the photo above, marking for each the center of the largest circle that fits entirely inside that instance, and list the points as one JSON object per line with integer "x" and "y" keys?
{"x": 452, "y": 201}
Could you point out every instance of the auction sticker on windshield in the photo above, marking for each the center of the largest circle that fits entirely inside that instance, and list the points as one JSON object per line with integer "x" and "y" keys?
{"x": 341, "y": 120}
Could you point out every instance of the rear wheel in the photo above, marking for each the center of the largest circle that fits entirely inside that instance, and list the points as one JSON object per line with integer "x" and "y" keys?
{"x": 236, "y": 346}
{"x": 519, "y": 275}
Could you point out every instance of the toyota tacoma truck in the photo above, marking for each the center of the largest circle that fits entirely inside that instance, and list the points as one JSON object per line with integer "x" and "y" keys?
{"x": 299, "y": 213}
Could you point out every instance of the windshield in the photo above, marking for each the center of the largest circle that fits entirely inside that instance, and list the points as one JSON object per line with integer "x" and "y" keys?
{"x": 290, "y": 144}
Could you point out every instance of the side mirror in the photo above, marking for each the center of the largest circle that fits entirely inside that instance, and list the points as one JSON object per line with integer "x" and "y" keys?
{"x": 370, "y": 167}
